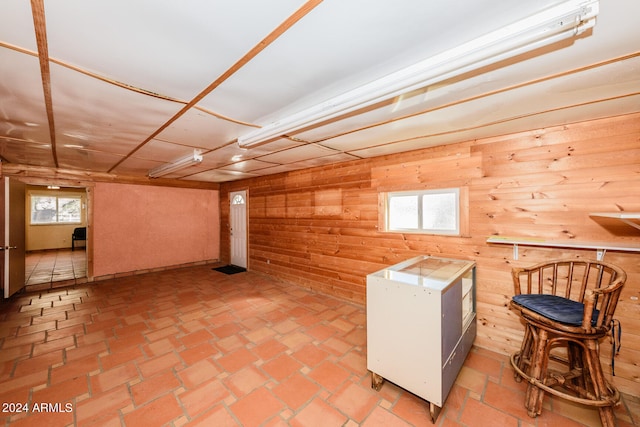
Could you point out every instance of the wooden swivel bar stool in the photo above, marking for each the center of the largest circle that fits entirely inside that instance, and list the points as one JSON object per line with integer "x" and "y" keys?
{"x": 567, "y": 307}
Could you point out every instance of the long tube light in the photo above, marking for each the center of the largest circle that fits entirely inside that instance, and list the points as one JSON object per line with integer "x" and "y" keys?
{"x": 176, "y": 165}
{"x": 557, "y": 23}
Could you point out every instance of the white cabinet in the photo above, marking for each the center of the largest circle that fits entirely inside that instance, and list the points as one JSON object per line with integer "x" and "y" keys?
{"x": 421, "y": 323}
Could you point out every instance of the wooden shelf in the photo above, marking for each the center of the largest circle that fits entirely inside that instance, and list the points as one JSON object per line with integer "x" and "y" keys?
{"x": 625, "y": 217}
{"x": 600, "y": 247}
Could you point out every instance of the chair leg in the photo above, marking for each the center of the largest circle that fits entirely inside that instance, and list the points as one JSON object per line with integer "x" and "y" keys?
{"x": 600, "y": 387}
{"x": 539, "y": 362}
{"x": 523, "y": 358}
{"x": 576, "y": 357}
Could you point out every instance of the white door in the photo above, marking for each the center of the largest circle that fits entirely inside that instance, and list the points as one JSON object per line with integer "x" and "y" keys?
{"x": 238, "y": 228}
{"x": 13, "y": 236}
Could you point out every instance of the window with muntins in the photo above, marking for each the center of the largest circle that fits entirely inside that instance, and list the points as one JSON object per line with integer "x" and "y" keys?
{"x": 56, "y": 209}
{"x": 237, "y": 200}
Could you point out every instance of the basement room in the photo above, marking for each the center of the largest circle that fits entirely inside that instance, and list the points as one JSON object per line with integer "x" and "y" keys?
{"x": 320, "y": 213}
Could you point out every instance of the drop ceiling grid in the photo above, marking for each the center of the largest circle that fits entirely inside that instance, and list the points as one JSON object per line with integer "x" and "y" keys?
{"x": 174, "y": 49}
{"x": 21, "y": 90}
{"x": 103, "y": 117}
{"x": 91, "y": 160}
{"x": 16, "y": 24}
{"x": 574, "y": 114}
{"x": 201, "y": 130}
{"x": 249, "y": 166}
{"x": 218, "y": 175}
{"x": 586, "y": 86}
{"x": 26, "y": 152}
{"x": 296, "y": 154}
{"x": 333, "y": 59}
{"x": 335, "y": 46}
{"x": 159, "y": 151}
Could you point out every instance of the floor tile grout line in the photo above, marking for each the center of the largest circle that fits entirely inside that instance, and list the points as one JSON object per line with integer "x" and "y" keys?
{"x": 53, "y": 265}
{"x": 325, "y": 315}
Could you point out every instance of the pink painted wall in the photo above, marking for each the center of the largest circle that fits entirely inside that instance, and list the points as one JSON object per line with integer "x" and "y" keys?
{"x": 139, "y": 227}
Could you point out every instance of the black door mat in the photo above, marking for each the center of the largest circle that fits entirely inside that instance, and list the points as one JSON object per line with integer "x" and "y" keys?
{"x": 230, "y": 269}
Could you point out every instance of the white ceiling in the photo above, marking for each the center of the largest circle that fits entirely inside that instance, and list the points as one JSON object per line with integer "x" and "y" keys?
{"x": 130, "y": 85}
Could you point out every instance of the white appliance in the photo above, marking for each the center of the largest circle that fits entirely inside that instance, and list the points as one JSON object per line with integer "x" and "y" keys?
{"x": 421, "y": 323}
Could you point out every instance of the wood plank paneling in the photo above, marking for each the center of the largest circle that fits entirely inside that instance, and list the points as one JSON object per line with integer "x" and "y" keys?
{"x": 318, "y": 227}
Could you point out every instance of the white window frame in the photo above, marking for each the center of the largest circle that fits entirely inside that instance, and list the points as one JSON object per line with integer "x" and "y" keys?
{"x": 57, "y": 197}
{"x": 458, "y": 230}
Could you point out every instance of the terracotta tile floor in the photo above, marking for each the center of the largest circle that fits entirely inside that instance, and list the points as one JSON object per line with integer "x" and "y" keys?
{"x": 196, "y": 347}
{"x": 46, "y": 267}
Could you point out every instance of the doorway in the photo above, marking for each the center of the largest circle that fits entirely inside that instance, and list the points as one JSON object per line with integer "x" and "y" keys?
{"x": 53, "y": 213}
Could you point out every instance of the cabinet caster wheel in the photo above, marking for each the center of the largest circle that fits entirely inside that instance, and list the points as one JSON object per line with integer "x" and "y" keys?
{"x": 376, "y": 381}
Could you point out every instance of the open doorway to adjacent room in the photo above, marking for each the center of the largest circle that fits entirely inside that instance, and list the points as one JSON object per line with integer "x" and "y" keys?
{"x": 56, "y": 221}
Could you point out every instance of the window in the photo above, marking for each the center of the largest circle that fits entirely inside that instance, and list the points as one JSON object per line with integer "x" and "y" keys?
{"x": 56, "y": 209}
{"x": 429, "y": 211}
{"x": 237, "y": 200}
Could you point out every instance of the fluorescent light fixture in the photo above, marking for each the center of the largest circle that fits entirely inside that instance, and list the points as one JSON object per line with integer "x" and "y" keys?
{"x": 557, "y": 23}
{"x": 178, "y": 164}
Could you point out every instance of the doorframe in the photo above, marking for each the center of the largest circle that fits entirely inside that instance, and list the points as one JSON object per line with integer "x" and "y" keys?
{"x": 89, "y": 190}
{"x": 13, "y": 188}
{"x": 246, "y": 224}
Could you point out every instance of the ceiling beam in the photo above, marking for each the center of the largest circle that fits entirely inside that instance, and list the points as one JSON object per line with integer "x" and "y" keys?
{"x": 40, "y": 27}
{"x": 40, "y": 175}
{"x": 264, "y": 43}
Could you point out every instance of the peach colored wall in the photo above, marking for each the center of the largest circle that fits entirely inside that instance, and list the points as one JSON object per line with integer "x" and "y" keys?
{"x": 139, "y": 227}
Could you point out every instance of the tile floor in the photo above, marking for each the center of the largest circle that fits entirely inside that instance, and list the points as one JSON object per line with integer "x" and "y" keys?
{"x": 64, "y": 265}
{"x": 195, "y": 347}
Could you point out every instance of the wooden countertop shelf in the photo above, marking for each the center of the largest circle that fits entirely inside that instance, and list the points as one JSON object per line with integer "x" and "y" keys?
{"x": 600, "y": 247}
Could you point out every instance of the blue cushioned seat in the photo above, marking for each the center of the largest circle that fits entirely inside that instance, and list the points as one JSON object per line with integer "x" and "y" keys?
{"x": 556, "y": 308}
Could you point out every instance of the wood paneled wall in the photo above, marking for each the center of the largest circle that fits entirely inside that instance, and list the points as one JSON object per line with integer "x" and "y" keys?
{"x": 318, "y": 227}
